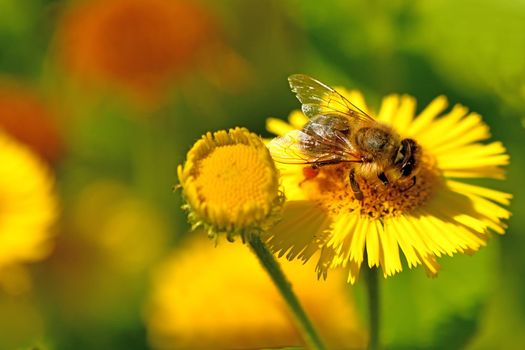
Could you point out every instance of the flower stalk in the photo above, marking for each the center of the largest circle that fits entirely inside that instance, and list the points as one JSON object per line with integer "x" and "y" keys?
{"x": 273, "y": 269}
{"x": 372, "y": 288}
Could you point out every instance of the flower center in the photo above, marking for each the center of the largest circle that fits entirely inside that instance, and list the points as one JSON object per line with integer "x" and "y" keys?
{"x": 234, "y": 175}
{"x": 332, "y": 189}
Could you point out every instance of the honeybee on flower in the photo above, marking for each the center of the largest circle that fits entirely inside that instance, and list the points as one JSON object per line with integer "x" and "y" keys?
{"x": 361, "y": 185}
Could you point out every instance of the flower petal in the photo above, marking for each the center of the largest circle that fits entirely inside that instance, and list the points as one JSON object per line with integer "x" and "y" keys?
{"x": 340, "y": 239}
{"x": 297, "y": 119}
{"x": 425, "y": 118}
{"x": 278, "y": 126}
{"x": 405, "y": 113}
{"x": 468, "y": 130}
{"x": 301, "y": 231}
{"x": 391, "y": 261}
{"x": 497, "y": 196}
{"x": 436, "y": 133}
{"x": 473, "y": 156}
{"x": 373, "y": 248}
{"x": 388, "y": 109}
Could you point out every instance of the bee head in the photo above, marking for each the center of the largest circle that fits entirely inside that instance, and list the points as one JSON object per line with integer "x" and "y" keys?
{"x": 405, "y": 158}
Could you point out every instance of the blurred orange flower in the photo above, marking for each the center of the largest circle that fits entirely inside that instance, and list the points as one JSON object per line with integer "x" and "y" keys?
{"x": 26, "y": 117}
{"x": 207, "y": 297}
{"x": 138, "y": 44}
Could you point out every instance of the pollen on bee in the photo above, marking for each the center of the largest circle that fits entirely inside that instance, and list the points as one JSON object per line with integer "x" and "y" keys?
{"x": 310, "y": 172}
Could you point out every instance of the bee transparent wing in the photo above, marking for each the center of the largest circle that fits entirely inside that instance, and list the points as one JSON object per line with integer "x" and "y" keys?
{"x": 297, "y": 147}
{"x": 318, "y": 98}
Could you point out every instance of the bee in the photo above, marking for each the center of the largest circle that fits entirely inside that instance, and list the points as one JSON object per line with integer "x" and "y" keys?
{"x": 340, "y": 132}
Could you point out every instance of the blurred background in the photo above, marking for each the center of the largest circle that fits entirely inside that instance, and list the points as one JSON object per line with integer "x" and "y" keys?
{"x": 108, "y": 96}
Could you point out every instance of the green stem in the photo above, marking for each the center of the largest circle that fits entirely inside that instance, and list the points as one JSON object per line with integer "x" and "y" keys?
{"x": 372, "y": 284}
{"x": 285, "y": 288}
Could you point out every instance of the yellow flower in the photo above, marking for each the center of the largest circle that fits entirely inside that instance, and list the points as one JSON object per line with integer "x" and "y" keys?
{"x": 439, "y": 215}
{"x": 112, "y": 239}
{"x": 29, "y": 207}
{"x": 207, "y": 298}
{"x": 110, "y": 219}
{"x": 230, "y": 184}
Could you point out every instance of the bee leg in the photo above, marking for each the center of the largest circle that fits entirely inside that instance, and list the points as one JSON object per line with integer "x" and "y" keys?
{"x": 355, "y": 186}
{"x": 412, "y": 185}
{"x": 383, "y": 178}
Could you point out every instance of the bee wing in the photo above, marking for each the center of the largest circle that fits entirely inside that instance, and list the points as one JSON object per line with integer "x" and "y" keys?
{"x": 297, "y": 147}
{"x": 318, "y": 98}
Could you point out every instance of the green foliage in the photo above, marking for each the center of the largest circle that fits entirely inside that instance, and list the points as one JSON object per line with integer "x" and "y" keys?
{"x": 430, "y": 313}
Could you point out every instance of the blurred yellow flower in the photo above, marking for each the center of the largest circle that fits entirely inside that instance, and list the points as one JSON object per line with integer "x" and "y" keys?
{"x": 112, "y": 237}
{"x": 208, "y": 298}
{"x": 26, "y": 117}
{"x": 139, "y": 44}
{"x": 113, "y": 220}
{"x": 438, "y": 215}
{"x": 230, "y": 184}
{"x": 29, "y": 206}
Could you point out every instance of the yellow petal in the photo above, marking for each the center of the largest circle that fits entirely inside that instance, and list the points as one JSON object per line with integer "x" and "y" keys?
{"x": 300, "y": 232}
{"x": 388, "y": 109}
{"x": 373, "y": 249}
{"x": 436, "y": 134}
{"x": 392, "y": 263}
{"x": 405, "y": 113}
{"x": 278, "y": 126}
{"x": 497, "y": 196}
{"x": 425, "y": 118}
{"x": 297, "y": 119}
